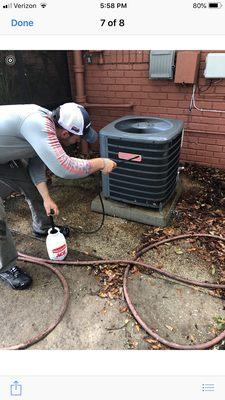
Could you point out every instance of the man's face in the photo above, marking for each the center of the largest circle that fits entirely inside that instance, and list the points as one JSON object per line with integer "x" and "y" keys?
{"x": 66, "y": 138}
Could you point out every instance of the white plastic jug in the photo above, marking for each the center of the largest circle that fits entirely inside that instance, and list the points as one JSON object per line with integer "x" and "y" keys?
{"x": 56, "y": 245}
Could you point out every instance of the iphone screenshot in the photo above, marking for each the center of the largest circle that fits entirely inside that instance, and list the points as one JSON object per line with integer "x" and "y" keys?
{"x": 112, "y": 199}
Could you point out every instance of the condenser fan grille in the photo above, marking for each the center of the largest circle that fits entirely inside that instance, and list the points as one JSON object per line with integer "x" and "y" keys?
{"x": 140, "y": 183}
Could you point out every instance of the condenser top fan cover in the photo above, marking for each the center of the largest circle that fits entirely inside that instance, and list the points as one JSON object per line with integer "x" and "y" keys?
{"x": 150, "y": 179}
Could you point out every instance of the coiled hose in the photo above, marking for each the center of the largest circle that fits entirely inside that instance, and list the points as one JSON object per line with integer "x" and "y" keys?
{"x": 127, "y": 264}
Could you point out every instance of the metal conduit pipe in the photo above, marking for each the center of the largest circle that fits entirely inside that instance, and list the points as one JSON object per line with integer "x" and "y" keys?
{"x": 79, "y": 77}
{"x": 79, "y": 71}
{"x": 80, "y": 91}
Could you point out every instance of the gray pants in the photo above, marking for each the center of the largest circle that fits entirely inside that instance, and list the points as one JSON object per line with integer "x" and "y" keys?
{"x": 15, "y": 178}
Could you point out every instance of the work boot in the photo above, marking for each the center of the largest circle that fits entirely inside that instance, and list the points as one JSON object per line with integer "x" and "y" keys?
{"x": 65, "y": 230}
{"x": 16, "y": 278}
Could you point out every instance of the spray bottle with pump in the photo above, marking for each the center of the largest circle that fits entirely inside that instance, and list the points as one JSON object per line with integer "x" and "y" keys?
{"x": 56, "y": 242}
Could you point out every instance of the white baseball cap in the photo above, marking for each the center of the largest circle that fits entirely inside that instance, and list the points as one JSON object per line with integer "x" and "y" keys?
{"x": 75, "y": 119}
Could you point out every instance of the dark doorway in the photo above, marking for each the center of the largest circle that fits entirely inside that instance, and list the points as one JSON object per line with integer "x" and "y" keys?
{"x": 39, "y": 77}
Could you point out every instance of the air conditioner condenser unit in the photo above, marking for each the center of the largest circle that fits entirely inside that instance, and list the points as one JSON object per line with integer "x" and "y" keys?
{"x": 150, "y": 179}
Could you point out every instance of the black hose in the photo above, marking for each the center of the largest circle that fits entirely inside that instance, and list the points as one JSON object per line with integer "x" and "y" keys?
{"x": 96, "y": 229}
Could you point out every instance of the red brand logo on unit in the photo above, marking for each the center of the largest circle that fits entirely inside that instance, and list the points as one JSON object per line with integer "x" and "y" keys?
{"x": 60, "y": 251}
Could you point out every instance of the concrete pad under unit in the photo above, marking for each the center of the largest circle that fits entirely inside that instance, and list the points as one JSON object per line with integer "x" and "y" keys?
{"x": 143, "y": 215}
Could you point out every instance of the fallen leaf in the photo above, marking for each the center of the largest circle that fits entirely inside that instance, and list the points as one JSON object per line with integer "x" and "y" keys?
{"x": 213, "y": 270}
{"x": 123, "y": 309}
{"x": 191, "y": 249}
{"x": 137, "y": 327}
{"x": 150, "y": 340}
{"x": 133, "y": 344}
{"x": 169, "y": 327}
{"x": 102, "y": 295}
{"x": 192, "y": 338}
{"x": 178, "y": 250}
{"x": 156, "y": 347}
{"x": 168, "y": 231}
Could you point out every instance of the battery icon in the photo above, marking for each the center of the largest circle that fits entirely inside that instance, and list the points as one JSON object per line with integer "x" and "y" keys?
{"x": 215, "y": 5}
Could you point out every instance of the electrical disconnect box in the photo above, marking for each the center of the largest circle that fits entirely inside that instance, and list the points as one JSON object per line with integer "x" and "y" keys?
{"x": 162, "y": 64}
{"x": 187, "y": 67}
{"x": 215, "y": 66}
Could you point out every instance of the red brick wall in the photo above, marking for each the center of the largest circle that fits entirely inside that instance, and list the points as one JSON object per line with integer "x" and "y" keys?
{"x": 123, "y": 78}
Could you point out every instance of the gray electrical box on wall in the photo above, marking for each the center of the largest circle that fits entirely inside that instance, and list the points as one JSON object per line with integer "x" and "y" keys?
{"x": 162, "y": 64}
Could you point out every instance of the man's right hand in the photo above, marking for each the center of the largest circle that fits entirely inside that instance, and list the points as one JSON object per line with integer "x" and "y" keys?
{"x": 109, "y": 165}
{"x": 102, "y": 164}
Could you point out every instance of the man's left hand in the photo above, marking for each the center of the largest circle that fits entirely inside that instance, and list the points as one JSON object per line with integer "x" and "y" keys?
{"x": 49, "y": 205}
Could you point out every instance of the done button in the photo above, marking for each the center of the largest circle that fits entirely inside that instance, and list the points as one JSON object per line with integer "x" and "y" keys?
{"x": 15, "y": 22}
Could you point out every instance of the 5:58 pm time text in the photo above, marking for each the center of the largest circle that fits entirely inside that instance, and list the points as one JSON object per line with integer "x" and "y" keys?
{"x": 113, "y": 5}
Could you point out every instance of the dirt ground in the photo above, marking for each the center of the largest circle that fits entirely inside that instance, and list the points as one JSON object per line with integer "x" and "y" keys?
{"x": 97, "y": 317}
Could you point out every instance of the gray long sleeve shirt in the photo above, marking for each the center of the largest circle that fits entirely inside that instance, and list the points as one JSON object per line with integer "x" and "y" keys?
{"x": 27, "y": 131}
